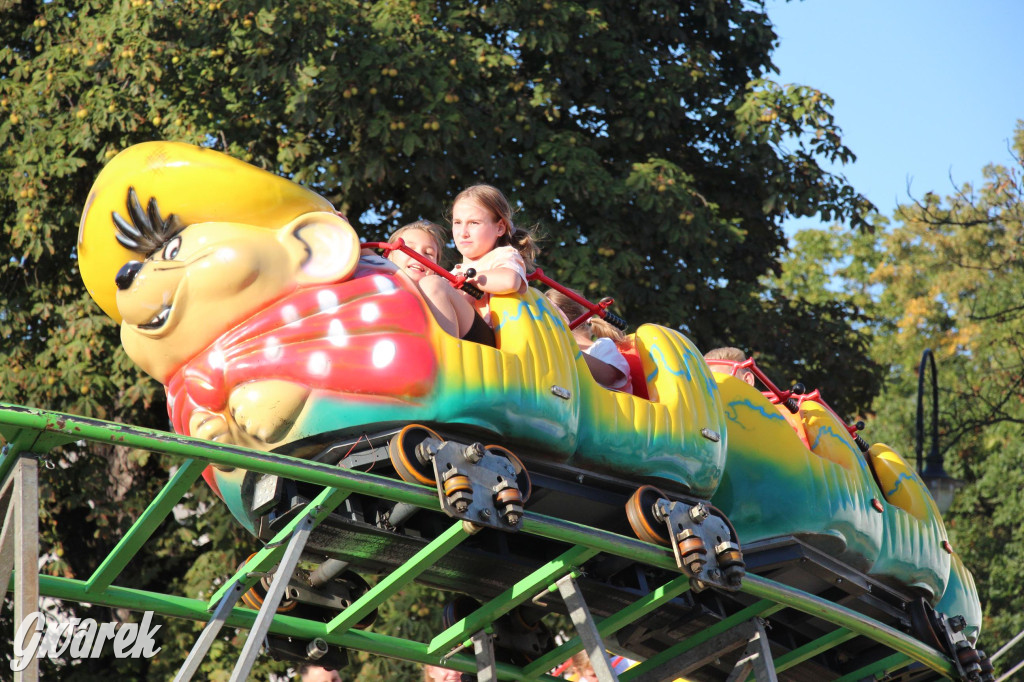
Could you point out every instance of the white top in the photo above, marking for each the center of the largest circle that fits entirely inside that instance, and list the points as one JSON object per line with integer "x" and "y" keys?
{"x": 605, "y": 350}
{"x": 507, "y": 257}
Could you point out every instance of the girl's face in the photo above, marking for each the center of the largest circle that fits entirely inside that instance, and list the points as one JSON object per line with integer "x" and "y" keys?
{"x": 422, "y": 243}
{"x": 475, "y": 229}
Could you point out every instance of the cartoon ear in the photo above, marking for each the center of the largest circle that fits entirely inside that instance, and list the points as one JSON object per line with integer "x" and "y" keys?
{"x": 324, "y": 247}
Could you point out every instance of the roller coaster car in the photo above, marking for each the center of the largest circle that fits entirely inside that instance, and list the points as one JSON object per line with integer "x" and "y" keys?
{"x": 247, "y": 297}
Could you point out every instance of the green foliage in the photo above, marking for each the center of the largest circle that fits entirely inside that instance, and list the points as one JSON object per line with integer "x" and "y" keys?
{"x": 643, "y": 137}
{"x": 949, "y": 276}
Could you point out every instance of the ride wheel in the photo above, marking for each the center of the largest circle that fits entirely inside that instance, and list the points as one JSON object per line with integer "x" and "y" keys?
{"x": 403, "y": 449}
{"x": 642, "y": 518}
{"x": 459, "y": 491}
{"x": 254, "y": 597}
{"x": 523, "y": 481}
{"x": 457, "y": 609}
{"x": 924, "y": 625}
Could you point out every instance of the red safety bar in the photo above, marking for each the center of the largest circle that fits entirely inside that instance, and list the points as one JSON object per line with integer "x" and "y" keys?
{"x": 600, "y": 308}
{"x": 776, "y": 395}
{"x": 457, "y": 281}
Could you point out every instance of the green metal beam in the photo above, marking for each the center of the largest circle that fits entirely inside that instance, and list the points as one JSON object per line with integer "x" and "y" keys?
{"x": 761, "y": 609}
{"x": 601, "y": 540}
{"x": 886, "y": 664}
{"x": 844, "y": 617}
{"x": 210, "y": 452}
{"x": 29, "y": 429}
{"x": 613, "y": 623}
{"x": 510, "y": 598}
{"x": 812, "y": 649}
{"x": 319, "y": 507}
{"x": 316, "y": 473}
{"x": 173, "y": 606}
{"x": 399, "y": 578}
{"x": 146, "y": 524}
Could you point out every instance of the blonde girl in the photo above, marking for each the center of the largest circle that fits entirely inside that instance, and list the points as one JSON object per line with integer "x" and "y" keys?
{"x": 498, "y": 252}
{"x": 423, "y": 237}
{"x": 608, "y": 366}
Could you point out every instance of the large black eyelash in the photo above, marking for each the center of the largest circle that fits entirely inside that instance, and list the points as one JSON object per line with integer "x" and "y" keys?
{"x": 146, "y": 231}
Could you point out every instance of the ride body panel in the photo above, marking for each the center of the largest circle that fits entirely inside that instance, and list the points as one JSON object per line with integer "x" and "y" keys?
{"x": 508, "y": 390}
{"x": 657, "y": 440}
{"x": 774, "y": 486}
{"x": 961, "y": 598}
{"x": 913, "y": 551}
{"x": 507, "y": 393}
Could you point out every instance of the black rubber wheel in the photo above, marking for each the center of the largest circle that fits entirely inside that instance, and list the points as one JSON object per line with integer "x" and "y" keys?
{"x": 640, "y": 512}
{"x": 402, "y": 452}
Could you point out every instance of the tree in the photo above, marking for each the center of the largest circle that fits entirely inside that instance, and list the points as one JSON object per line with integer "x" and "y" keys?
{"x": 645, "y": 138}
{"x": 949, "y": 276}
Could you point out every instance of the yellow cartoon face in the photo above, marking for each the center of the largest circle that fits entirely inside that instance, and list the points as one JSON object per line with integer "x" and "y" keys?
{"x": 179, "y": 244}
{"x": 206, "y": 279}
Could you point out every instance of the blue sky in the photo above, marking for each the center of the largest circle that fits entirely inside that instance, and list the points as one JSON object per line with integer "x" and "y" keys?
{"x": 923, "y": 91}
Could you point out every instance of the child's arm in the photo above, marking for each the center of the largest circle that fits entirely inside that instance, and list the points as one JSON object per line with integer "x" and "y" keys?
{"x": 505, "y": 272}
{"x": 499, "y": 281}
{"x": 604, "y": 374}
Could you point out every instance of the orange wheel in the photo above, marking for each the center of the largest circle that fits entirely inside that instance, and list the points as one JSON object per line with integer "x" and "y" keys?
{"x": 509, "y": 496}
{"x": 457, "y": 483}
{"x": 640, "y": 512}
{"x": 523, "y": 481}
{"x": 402, "y": 452}
{"x": 254, "y": 597}
{"x": 692, "y": 545}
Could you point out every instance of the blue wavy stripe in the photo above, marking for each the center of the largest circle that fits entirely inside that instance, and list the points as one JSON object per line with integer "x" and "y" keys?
{"x": 732, "y": 411}
{"x": 827, "y": 430}
{"x": 902, "y": 477}
{"x": 684, "y": 371}
{"x": 542, "y": 311}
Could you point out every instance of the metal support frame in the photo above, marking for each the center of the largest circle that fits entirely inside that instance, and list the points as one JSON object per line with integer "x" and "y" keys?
{"x": 272, "y": 600}
{"x": 19, "y": 548}
{"x": 587, "y": 629}
{"x": 483, "y": 649}
{"x": 747, "y": 633}
{"x": 209, "y": 634}
{"x": 29, "y": 432}
{"x": 756, "y": 658}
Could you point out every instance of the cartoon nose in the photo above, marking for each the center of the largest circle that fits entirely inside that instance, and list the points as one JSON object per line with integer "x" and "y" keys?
{"x": 126, "y": 275}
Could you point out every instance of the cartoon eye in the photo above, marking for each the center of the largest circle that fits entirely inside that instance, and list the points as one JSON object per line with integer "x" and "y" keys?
{"x": 171, "y": 248}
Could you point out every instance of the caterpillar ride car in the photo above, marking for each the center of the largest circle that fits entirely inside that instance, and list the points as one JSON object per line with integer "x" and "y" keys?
{"x": 275, "y": 330}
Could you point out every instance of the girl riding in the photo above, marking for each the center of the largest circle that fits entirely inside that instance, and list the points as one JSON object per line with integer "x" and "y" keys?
{"x": 496, "y": 250}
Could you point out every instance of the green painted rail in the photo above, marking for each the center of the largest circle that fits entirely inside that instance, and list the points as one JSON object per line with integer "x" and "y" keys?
{"x": 29, "y": 430}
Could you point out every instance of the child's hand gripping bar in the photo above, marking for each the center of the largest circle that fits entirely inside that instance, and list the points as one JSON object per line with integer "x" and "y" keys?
{"x": 600, "y": 308}
{"x": 457, "y": 281}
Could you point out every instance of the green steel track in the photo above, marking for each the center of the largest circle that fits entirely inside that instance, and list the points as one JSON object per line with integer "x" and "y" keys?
{"x": 30, "y": 432}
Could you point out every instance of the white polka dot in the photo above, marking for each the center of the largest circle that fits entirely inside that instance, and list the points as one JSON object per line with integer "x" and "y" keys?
{"x": 319, "y": 364}
{"x": 370, "y": 312}
{"x": 289, "y": 314}
{"x": 217, "y": 360}
{"x": 336, "y": 333}
{"x": 273, "y": 350}
{"x": 327, "y": 300}
{"x": 384, "y": 284}
{"x": 383, "y": 353}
